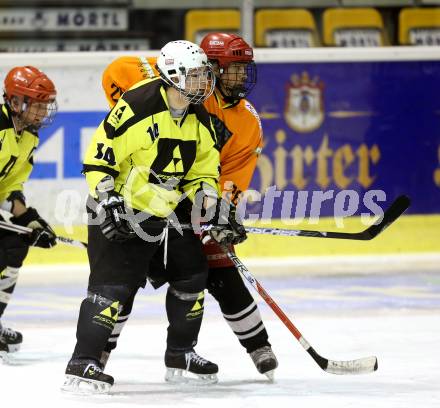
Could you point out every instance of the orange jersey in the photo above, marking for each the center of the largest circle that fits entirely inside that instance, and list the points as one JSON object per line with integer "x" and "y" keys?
{"x": 237, "y": 126}
{"x": 123, "y": 73}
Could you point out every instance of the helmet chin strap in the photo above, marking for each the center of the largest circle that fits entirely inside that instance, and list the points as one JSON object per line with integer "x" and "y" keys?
{"x": 227, "y": 98}
{"x": 18, "y": 118}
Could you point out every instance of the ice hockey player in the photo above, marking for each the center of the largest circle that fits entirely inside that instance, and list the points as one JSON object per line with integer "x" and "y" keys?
{"x": 155, "y": 148}
{"x": 240, "y": 142}
{"x": 29, "y": 104}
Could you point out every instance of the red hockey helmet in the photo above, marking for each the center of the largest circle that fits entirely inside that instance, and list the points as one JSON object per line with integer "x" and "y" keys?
{"x": 226, "y": 48}
{"x": 235, "y": 58}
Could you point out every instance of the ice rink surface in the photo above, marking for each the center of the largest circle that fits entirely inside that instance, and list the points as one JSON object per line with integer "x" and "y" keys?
{"x": 395, "y": 316}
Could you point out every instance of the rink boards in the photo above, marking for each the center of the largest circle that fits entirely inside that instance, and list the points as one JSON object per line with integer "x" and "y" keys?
{"x": 336, "y": 121}
{"x": 415, "y": 234}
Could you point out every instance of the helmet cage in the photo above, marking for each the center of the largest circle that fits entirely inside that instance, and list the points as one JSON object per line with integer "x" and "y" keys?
{"x": 233, "y": 55}
{"x": 32, "y": 114}
{"x": 36, "y": 116}
{"x": 184, "y": 66}
{"x": 238, "y": 84}
{"x": 195, "y": 86}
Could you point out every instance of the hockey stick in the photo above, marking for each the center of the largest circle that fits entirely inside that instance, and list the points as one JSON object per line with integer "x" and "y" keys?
{"x": 396, "y": 209}
{"x": 390, "y": 215}
{"x": 25, "y": 230}
{"x": 358, "y": 366}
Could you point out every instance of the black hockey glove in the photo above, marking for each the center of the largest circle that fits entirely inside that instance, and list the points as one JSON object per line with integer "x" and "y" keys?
{"x": 43, "y": 235}
{"x": 226, "y": 227}
{"x": 112, "y": 215}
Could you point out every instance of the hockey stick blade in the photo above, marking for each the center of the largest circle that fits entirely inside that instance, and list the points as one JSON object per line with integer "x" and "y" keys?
{"x": 348, "y": 367}
{"x": 396, "y": 209}
{"x": 360, "y": 366}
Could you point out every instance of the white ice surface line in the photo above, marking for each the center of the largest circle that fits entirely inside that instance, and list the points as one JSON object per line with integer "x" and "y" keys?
{"x": 343, "y": 264}
{"x": 341, "y": 259}
{"x": 318, "y": 265}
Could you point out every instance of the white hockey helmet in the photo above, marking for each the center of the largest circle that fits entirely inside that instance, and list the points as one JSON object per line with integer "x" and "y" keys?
{"x": 184, "y": 66}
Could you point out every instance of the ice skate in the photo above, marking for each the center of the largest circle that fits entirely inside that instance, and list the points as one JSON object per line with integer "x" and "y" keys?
{"x": 189, "y": 368}
{"x": 86, "y": 377}
{"x": 10, "y": 342}
{"x": 265, "y": 361}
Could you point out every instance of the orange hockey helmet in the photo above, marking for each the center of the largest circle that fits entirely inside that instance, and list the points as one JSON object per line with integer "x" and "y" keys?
{"x": 34, "y": 105}
{"x": 237, "y": 80}
{"x": 29, "y": 82}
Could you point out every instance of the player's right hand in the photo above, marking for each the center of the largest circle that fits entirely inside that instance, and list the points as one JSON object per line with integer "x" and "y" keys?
{"x": 42, "y": 234}
{"x": 113, "y": 217}
{"x": 226, "y": 228}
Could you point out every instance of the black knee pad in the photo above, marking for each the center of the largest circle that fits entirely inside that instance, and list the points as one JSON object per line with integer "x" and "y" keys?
{"x": 112, "y": 293}
{"x": 225, "y": 281}
{"x": 13, "y": 251}
{"x": 193, "y": 284}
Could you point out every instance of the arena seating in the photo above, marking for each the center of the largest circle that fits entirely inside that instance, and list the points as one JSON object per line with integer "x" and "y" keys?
{"x": 285, "y": 28}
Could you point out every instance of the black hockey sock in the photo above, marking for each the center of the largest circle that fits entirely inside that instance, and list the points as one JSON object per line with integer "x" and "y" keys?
{"x": 185, "y": 312}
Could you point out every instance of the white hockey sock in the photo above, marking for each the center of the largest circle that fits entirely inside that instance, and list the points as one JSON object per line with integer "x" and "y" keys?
{"x": 118, "y": 328}
{"x": 8, "y": 279}
{"x": 246, "y": 323}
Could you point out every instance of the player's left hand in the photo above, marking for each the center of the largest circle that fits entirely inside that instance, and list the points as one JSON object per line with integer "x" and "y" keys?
{"x": 42, "y": 234}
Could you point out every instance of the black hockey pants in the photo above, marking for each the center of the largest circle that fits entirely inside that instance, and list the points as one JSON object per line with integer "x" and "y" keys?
{"x": 13, "y": 251}
{"x": 117, "y": 270}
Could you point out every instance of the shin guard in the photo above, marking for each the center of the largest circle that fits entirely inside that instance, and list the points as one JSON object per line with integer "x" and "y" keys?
{"x": 185, "y": 312}
{"x": 97, "y": 319}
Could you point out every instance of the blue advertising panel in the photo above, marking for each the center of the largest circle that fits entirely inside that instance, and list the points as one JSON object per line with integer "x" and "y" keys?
{"x": 329, "y": 128}
{"x": 351, "y": 126}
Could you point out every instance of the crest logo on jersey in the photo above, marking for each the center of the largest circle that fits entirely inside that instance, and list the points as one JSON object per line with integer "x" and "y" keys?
{"x": 304, "y": 110}
{"x": 116, "y": 116}
{"x": 175, "y": 166}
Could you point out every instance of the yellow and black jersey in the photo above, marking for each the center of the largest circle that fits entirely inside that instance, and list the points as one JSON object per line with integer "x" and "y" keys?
{"x": 16, "y": 152}
{"x": 155, "y": 160}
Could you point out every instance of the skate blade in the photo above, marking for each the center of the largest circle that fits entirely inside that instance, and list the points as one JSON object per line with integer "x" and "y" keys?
{"x": 4, "y": 357}
{"x": 12, "y": 348}
{"x": 179, "y": 376}
{"x": 81, "y": 386}
{"x": 270, "y": 375}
